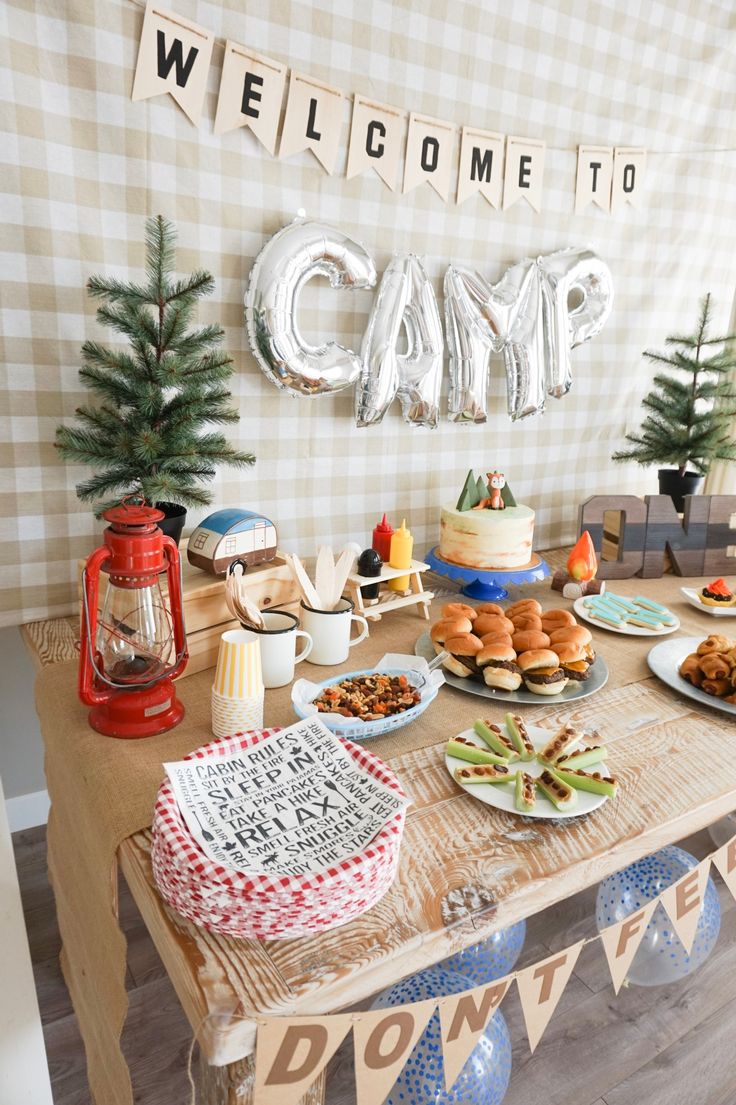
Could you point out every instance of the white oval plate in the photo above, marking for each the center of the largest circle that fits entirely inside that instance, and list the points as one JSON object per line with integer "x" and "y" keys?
{"x": 501, "y": 795}
{"x": 521, "y": 697}
{"x": 692, "y": 597}
{"x": 627, "y": 630}
{"x": 664, "y": 660}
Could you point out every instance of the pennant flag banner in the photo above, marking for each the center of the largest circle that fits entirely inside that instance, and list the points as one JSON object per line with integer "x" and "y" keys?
{"x": 463, "y": 1019}
{"x": 724, "y": 860}
{"x": 684, "y": 902}
{"x": 251, "y": 91}
{"x": 384, "y": 1040}
{"x": 174, "y": 56}
{"x": 291, "y": 1052}
{"x": 540, "y": 988}
{"x": 621, "y": 942}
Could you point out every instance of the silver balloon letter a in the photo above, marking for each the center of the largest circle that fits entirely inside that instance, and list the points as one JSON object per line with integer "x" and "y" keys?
{"x": 299, "y": 251}
{"x": 405, "y": 297}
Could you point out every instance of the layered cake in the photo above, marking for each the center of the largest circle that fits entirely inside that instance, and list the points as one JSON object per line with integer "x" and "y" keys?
{"x": 487, "y": 528}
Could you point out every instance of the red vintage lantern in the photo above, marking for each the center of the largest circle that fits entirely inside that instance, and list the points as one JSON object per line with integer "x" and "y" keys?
{"x": 135, "y": 645}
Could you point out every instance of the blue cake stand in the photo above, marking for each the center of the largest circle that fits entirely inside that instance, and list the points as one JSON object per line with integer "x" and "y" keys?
{"x": 488, "y": 586}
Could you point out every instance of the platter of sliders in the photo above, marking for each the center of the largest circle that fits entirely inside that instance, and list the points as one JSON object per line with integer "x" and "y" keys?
{"x": 637, "y": 617}
{"x": 716, "y": 599}
{"x": 703, "y": 669}
{"x": 515, "y": 654}
{"x": 528, "y": 770}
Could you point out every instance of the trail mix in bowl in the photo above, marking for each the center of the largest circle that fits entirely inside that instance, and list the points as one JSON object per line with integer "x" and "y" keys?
{"x": 368, "y": 697}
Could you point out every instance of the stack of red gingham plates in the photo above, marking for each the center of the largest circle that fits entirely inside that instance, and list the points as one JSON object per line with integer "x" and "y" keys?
{"x": 261, "y": 906}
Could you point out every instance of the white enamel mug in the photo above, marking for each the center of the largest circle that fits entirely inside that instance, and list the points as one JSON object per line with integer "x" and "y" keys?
{"x": 330, "y": 632}
{"x": 278, "y": 647}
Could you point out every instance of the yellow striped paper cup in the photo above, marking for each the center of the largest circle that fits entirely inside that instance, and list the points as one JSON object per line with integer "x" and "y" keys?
{"x": 238, "y": 673}
{"x": 236, "y": 715}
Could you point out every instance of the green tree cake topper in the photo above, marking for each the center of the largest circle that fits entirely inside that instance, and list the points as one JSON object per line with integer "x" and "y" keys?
{"x": 690, "y": 410}
{"x": 148, "y": 434}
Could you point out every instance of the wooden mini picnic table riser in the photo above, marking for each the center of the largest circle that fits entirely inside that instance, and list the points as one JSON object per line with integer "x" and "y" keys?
{"x": 466, "y": 870}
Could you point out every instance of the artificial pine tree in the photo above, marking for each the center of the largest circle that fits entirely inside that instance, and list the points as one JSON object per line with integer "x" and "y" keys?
{"x": 690, "y": 419}
{"x": 148, "y": 434}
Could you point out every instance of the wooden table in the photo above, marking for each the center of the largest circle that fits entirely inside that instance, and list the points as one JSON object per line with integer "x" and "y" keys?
{"x": 466, "y": 869}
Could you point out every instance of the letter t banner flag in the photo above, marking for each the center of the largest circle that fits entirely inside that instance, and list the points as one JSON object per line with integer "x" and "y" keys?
{"x": 173, "y": 56}
{"x": 540, "y": 988}
{"x": 291, "y": 1052}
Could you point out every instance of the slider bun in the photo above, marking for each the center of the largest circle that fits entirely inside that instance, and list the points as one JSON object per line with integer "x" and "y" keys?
{"x": 577, "y": 633}
{"x": 489, "y": 608}
{"x": 501, "y": 678}
{"x": 450, "y": 627}
{"x": 537, "y": 658}
{"x": 546, "y": 688}
{"x": 464, "y": 644}
{"x": 497, "y": 639}
{"x": 557, "y": 619}
{"x": 458, "y": 610}
{"x": 524, "y": 606}
{"x": 492, "y": 623}
{"x": 492, "y": 652}
{"x": 527, "y": 639}
{"x": 527, "y": 621}
{"x": 568, "y": 652}
{"x": 456, "y": 667}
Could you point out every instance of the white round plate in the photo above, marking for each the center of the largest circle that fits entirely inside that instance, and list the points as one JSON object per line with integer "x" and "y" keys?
{"x": 629, "y": 630}
{"x": 715, "y": 612}
{"x": 664, "y": 660}
{"x": 501, "y": 795}
{"x": 521, "y": 697}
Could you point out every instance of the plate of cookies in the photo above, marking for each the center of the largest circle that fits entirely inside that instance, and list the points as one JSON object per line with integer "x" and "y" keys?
{"x": 637, "y": 617}
{"x": 516, "y": 654}
{"x": 703, "y": 669}
{"x": 529, "y": 770}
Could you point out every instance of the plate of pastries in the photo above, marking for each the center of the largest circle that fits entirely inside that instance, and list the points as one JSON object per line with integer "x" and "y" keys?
{"x": 703, "y": 669}
{"x": 519, "y": 653}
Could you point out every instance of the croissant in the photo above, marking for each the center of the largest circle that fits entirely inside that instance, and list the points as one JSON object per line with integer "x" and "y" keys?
{"x": 690, "y": 669}
{"x": 715, "y": 643}
{"x": 719, "y": 687}
{"x": 715, "y": 666}
{"x": 730, "y": 698}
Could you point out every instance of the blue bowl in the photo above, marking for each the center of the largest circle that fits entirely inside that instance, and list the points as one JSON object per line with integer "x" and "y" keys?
{"x": 355, "y": 729}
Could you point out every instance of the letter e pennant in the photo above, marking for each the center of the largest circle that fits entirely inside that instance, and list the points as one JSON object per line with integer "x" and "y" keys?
{"x": 174, "y": 57}
{"x": 540, "y": 988}
{"x": 291, "y": 1052}
{"x": 684, "y": 902}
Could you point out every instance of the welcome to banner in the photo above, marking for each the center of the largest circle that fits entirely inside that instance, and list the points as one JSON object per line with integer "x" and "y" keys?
{"x": 174, "y": 58}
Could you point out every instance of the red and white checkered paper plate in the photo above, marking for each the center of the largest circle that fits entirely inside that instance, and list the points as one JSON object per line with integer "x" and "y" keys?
{"x": 260, "y": 906}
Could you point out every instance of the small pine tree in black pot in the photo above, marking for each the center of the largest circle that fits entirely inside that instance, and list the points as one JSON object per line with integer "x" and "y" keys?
{"x": 690, "y": 411}
{"x": 148, "y": 435}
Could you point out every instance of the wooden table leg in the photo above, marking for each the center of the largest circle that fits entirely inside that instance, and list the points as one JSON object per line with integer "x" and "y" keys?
{"x": 234, "y": 1084}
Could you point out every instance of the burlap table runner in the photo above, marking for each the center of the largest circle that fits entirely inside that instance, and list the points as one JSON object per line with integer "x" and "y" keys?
{"x": 103, "y": 790}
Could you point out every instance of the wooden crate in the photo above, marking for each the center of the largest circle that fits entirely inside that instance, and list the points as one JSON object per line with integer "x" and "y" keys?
{"x": 206, "y": 616}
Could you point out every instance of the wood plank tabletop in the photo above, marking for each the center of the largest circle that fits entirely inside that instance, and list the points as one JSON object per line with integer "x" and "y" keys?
{"x": 465, "y": 868}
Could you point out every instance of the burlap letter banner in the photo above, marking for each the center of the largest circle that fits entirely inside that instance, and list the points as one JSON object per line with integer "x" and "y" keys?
{"x": 540, "y": 988}
{"x": 481, "y": 166}
{"x": 251, "y": 91}
{"x": 429, "y": 154}
{"x": 376, "y": 138}
{"x": 621, "y": 941}
{"x": 313, "y": 120}
{"x": 524, "y": 172}
{"x": 684, "y": 902}
{"x": 174, "y": 57}
{"x": 463, "y": 1018}
{"x": 725, "y": 861}
{"x": 384, "y": 1040}
{"x": 595, "y": 172}
{"x": 292, "y": 1051}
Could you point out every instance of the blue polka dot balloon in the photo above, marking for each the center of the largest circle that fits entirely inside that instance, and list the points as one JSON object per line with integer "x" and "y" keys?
{"x": 661, "y": 957}
{"x": 492, "y": 958}
{"x": 485, "y": 1077}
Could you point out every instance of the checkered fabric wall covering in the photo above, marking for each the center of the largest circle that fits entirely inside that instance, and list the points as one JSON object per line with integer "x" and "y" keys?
{"x": 86, "y": 166}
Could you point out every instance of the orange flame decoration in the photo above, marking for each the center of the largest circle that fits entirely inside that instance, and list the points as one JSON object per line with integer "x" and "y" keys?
{"x": 581, "y": 563}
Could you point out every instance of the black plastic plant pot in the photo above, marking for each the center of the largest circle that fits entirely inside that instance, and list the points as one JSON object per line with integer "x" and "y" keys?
{"x": 173, "y": 524}
{"x": 677, "y": 487}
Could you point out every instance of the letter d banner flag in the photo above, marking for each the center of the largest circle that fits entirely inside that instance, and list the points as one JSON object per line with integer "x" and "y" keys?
{"x": 291, "y": 1052}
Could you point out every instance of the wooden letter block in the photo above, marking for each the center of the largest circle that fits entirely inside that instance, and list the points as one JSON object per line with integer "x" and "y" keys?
{"x": 685, "y": 541}
{"x": 721, "y": 536}
{"x": 632, "y": 534}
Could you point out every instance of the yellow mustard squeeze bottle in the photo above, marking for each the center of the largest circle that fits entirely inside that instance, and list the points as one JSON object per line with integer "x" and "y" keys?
{"x": 402, "y": 546}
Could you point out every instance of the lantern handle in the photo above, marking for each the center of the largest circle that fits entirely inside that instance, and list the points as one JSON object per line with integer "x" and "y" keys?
{"x": 87, "y": 661}
{"x": 174, "y": 578}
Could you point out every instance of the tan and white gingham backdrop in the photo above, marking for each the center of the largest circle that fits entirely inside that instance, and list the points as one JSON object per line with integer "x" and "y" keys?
{"x": 85, "y": 166}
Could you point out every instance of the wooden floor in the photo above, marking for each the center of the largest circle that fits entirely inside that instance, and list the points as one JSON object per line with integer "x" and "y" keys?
{"x": 644, "y": 1047}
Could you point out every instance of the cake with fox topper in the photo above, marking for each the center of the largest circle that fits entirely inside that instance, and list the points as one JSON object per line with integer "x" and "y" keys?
{"x": 487, "y": 529}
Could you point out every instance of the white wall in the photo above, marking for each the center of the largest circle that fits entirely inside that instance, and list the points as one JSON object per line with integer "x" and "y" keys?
{"x": 21, "y": 748}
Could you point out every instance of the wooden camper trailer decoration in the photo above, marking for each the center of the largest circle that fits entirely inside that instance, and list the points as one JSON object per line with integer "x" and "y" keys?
{"x": 229, "y": 535}
{"x": 701, "y": 543}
